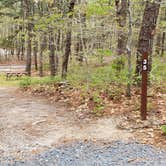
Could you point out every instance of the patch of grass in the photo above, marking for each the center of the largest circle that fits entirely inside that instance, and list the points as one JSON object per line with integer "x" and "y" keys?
{"x": 163, "y": 128}
{"x": 97, "y": 105}
{"x": 158, "y": 73}
{"x": 25, "y": 82}
{"x": 30, "y": 81}
{"x": 99, "y": 77}
{"x": 114, "y": 93}
{"x": 8, "y": 83}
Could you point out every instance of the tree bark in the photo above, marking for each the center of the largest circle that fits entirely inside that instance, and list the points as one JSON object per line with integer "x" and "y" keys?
{"x": 146, "y": 35}
{"x": 35, "y": 50}
{"x": 28, "y": 61}
{"x": 52, "y": 54}
{"x": 68, "y": 41}
{"x": 121, "y": 14}
{"x": 22, "y": 48}
{"x": 43, "y": 39}
{"x": 29, "y": 38}
{"x": 158, "y": 44}
{"x": 23, "y": 31}
{"x": 128, "y": 47}
{"x": 42, "y": 48}
{"x": 163, "y": 44}
{"x": 58, "y": 38}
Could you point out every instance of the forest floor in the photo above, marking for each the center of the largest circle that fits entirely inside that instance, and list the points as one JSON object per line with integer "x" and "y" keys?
{"x": 125, "y": 111}
{"x": 34, "y": 132}
{"x": 30, "y": 125}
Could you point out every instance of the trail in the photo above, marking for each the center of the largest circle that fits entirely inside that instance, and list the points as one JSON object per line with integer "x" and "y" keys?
{"x": 34, "y": 132}
{"x": 11, "y": 68}
{"x": 29, "y": 126}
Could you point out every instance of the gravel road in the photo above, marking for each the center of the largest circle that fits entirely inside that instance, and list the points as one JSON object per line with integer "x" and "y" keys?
{"x": 91, "y": 154}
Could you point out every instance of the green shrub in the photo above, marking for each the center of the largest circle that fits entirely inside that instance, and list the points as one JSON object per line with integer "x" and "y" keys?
{"x": 114, "y": 93}
{"x": 98, "y": 107}
{"x": 163, "y": 128}
{"x": 25, "y": 82}
{"x": 98, "y": 110}
{"x": 8, "y": 83}
{"x": 158, "y": 73}
{"x": 29, "y": 81}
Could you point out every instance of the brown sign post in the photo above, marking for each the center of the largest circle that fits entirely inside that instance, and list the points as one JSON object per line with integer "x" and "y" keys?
{"x": 144, "y": 86}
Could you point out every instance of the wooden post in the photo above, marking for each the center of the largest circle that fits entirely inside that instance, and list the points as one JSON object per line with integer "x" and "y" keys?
{"x": 144, "y": 86}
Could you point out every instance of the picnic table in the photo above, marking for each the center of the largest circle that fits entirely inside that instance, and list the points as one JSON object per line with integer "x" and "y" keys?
{"x": 15, "y": 74}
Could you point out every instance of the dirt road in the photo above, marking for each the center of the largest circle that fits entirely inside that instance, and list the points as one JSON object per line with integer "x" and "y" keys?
{"x": 11, "y": 68}
{"x": 30, "y": 125}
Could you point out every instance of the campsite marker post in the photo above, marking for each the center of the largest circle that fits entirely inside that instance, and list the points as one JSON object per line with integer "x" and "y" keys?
{"x": 144, "y": 86}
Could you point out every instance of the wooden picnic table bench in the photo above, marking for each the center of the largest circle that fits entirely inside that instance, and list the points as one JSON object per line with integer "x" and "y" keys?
{"x": 15, "y": 74}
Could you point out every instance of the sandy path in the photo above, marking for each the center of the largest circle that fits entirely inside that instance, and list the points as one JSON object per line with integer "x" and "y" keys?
{"x": 11, "y": 68}
{"x": 31, "y": 125}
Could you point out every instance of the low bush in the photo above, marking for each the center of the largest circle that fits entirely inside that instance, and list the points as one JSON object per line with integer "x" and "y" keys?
{"x": 163, "y": 128}
{"x": 29, "y": 81}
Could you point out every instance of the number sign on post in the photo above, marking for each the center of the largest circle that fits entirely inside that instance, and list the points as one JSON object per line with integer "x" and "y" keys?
{"x": 144, "y": 86}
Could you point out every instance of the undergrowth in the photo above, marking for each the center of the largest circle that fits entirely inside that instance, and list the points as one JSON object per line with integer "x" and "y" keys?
{"x": 96, "y": 83}
{"x": 31, "y": 81}
{"x": 8, "y": 83}
{"x": 99, "y": 77}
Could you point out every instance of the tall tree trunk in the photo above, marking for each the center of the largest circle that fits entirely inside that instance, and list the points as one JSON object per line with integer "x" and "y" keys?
{"x": 58, "y": 38}
{"x": 23, "y": 31}
{"x": 18, "y": 53}
{"x": 66, "y": 55}
{"x": 35, "y": 50}
{"x": 82, "y": 39}
{"x": 18, "y": 50}
{"x": 22, "y": 49}
{"x": 41, "y": 56}
{"x": 28, "y": 53}
{"x": 62, "y": 41}
{"x": 146, "y": 36}
{"x": 77, "y": 49}
{"x": 163, "y": 44}
{"x": 121, "y": 14}
{"x": 158, "y": 44}
{"x": 43, "y": 39}
{"x": 68, "y": 41}
{"x": 52, "y": 54}
{"x": 29, "y": 38}
{"x": 128, "y": 47}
